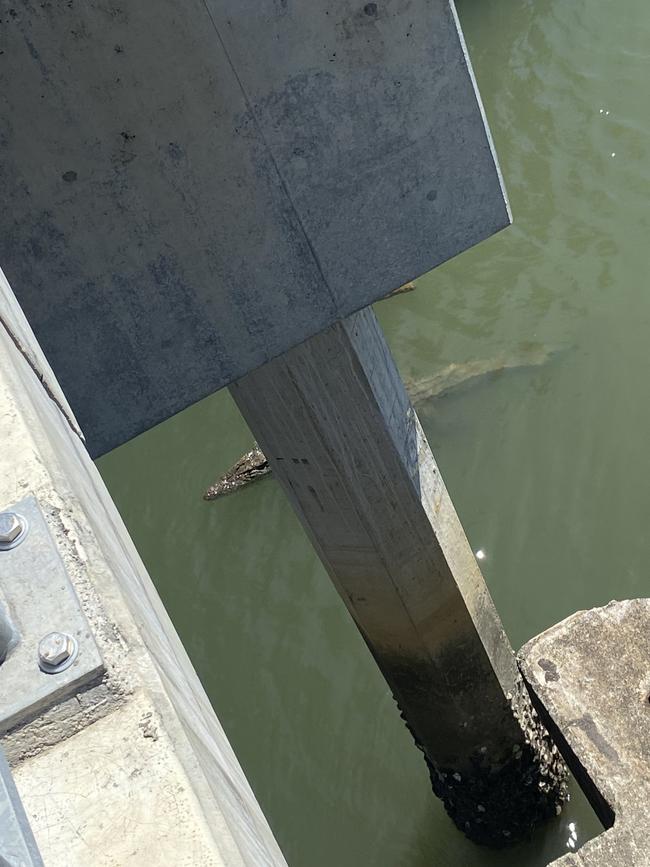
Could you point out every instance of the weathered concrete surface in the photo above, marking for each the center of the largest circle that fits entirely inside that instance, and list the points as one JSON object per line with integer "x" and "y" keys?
{"x": 17, "y": 844}
{"x": 592, "y": 674}
{"x": 336, "y": 424}
{"x": 190, "y": 192}
{"x": 141, "y": 755}
{"x": 119, "y": 789}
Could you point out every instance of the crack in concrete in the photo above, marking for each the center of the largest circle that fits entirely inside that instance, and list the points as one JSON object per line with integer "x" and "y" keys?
{"x": 42, "y": 379}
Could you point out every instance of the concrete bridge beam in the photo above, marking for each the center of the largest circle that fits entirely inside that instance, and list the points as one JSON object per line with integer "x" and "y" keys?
{"x": 334, "y": 420}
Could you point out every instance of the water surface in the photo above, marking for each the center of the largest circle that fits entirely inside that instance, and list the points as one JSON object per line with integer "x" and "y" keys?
{"x": 547, "y": 466}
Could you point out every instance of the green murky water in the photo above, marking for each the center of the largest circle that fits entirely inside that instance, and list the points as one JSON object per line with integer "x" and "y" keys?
{"x": 548, "y": 466}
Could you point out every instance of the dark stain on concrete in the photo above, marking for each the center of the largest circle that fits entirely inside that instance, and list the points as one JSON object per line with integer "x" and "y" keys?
{"x": 123, "y": 158}
{"x": 550, "y": 670}
{"x": 588, "y": 725}
{"x": 309, "y": 104}
{"x": 175, "y": 152}
{"x": 36, "y": 56}
{"x": 370, "y": 9}
{"x": 80, "y": 33}
{"x": 43, "y": 238}
{"x": 114, "y": 13}
{"x": 69, "y": 177}
{"x": 314, "y": 494}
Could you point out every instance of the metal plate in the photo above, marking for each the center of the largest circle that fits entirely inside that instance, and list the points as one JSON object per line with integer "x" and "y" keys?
{"x": 41, "y": 599}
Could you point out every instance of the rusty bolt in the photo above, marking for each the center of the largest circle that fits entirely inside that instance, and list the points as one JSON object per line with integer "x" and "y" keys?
{"x": 54, "y": 650}
{"x": 12, "y": 526}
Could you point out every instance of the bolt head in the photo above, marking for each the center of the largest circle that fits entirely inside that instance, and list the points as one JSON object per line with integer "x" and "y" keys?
{"x": 11, "y": 526}
{"x": 55, "y": 648}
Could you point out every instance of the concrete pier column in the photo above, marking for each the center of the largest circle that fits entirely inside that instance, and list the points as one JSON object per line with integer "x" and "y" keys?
{"x": 333, "y": 417}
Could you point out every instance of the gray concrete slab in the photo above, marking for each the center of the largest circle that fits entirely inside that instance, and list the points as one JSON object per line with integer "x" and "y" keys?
{"x": 190, "y": 192}
{"x": 591, "y": 674}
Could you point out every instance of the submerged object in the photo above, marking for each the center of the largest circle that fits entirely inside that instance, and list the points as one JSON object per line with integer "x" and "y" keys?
{"x": 455, "y": 375}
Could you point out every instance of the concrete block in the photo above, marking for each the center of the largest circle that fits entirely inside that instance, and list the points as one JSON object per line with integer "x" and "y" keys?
{"x": 590, "y": 673}
{"x": 115, "y": 794}
{"x": 190, "y": 192}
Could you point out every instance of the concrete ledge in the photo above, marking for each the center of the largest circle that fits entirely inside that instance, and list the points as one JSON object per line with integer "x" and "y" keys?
{"x": 136, "y": 769}
{"x": 591, "y": 677}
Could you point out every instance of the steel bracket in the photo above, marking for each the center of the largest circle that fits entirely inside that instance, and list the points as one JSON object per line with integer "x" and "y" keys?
{"x": 38, "y": 598}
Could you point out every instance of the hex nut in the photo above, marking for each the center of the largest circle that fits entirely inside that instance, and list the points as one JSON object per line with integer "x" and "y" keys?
{"x": 55, "y": 650}
{"x": 12, "y": 526}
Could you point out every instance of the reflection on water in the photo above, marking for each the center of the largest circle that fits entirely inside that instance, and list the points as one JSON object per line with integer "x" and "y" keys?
{"x": 547, "y": 465}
